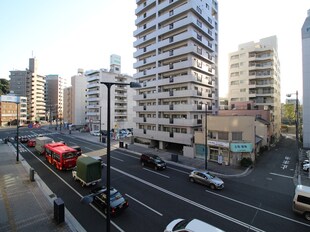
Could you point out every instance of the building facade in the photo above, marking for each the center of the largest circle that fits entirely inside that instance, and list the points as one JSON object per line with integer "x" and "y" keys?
{"x": 32, "y": 85}
{"x": 305, "y": 31}
{"x": 121, "y": 100}
{"x": 54, "y": 97}
{"x": 78, "y": 98}
{"x": 67, "y": 109}
{"x": 230, "y": 139}
{"x": 254, "y": 75}
{"x": 13, "y": 110}
{"x": 176, "y": 64}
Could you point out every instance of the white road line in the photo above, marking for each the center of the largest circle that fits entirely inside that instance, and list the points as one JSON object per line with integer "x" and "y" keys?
{"x": 290, "y": 177}
{"x": 257, "y": 208}
{"x": 160, "y": 214}
{"x": 113, "y": 223}
{"x": 179, "y": 170}
{"x": 89, "y": 148}
{"x": 131, "y": 156}
{"x": 156, "y": 172}
{"x": 117, "y": 159}
{"x": 234, "y": 220}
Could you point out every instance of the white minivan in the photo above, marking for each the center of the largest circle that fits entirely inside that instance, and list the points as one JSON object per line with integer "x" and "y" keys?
{"x": 301, "y": 201}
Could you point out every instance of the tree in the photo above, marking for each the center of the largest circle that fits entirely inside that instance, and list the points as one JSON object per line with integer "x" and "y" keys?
{"x": 4, "y": 86}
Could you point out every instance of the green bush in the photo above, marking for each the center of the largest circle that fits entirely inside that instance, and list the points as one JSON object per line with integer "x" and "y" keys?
{"x": 246, "y": 162}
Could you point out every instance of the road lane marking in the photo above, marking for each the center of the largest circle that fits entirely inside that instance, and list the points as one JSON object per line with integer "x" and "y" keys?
{"x": 189, "y": 201}
{"x": 117, "y": 159}
{"x": 156, "y": 172}
{"x": 179, "y": 170}
{"x": 80, "y": 195}
{"x": 276, "y": 174}
{"x": 257, "y": 208}
{"x": 160, "y": 214}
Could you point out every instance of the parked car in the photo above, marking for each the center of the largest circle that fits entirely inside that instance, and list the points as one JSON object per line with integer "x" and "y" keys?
{"x": 193, "y": 225}
{"x": 301, "y": 201}
{"x": 31, "y": 143}
{"x": 304, "y": 162}
{"x": 23, "y": 139}
{"x": 153, "y": 161}
{"x": 306, "y": 167}
{"x": 95, "y": 133}
{"x": 117, "y": 202}
{"x": 206, "y": 178}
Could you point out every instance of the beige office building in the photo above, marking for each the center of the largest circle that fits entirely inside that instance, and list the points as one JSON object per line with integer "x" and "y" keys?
{"x": 32, "y": 85}
{"x": 176, "y": 63}
{"x": 254, "y": 76}
{"x": 54, "y": 97}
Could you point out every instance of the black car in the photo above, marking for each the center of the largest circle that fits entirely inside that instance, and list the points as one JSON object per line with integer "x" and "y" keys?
{"x": 117, "y": 202}
{"x": 153, "y": 161}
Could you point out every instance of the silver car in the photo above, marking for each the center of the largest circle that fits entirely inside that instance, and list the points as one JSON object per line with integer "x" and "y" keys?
{"x": 206, "y": 178}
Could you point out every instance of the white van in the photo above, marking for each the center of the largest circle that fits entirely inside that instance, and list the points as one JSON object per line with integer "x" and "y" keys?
{"x": 301, "y": 201}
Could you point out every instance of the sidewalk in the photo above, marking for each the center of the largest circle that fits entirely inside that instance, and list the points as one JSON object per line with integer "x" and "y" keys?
{"x": 185, "y": 162}
{"x": 27, "y": 205}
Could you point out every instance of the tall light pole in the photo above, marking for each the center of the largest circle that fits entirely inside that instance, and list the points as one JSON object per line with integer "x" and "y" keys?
{"x": 100, "y": 134}
{"x": 17, "y": 132}
{"x": 109, "y": 85}
{"x": 206, "y": 135}
{"x": 297, "y": 117}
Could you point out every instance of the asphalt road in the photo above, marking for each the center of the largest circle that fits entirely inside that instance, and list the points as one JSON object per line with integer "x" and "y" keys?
{"x": 260, "y": 201}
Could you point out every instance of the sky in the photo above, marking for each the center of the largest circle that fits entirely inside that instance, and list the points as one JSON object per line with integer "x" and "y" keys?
{"x": 71, "y": 34}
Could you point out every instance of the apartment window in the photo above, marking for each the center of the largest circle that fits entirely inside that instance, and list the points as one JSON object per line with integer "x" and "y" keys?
{"x": 199, "y": 23}
{"x": 207, "y": 6}
{"x": 199, "y": 10}
{"x": 236, "y": 135}
{"x": 199, "y": 50}
{"x": 222, "y": 135}
{"x": 171, "y": 53}
{"x": 171, "y": 13}
{"x": 234, "y": 83}
{"x": 234, "y": 57}
{"x": 144, "y": 26}
{"x": 170, "y": 39}
{"x": 144, "y": 15}
{"x": 209, "y": 20}
{"x": 199, "y": 37}
{"x": 199, "y": 64}
{"x": 170, "y": 1}
{"x": 171, "y": 26}
{"x": 242, "y": 90}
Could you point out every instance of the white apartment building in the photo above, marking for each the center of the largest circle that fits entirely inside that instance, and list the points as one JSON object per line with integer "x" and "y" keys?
{"x": 78, "y": 104}
{"x": 54, "y": 97}
{"x": 176, "y": 64}
{"x": 121, "y": 100}
{"x": 254, "y": 75}
{"x": 306, "y": 83}
{"x": 32, "y": 85}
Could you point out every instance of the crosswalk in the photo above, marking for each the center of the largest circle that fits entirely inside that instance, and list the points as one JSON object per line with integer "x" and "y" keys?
{"x": 21, "y": 148}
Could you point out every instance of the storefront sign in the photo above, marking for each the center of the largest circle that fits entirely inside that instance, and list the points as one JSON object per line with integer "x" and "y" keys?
{"x": 218, "y": 143}
{"x": 241, "y": 147}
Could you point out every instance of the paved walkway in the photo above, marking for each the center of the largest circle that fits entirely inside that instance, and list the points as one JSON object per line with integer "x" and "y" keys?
{"x": 27, "y": 205}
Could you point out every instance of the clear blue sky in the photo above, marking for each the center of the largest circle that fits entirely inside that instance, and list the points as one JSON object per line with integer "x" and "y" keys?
{"x": 65, "y": 35}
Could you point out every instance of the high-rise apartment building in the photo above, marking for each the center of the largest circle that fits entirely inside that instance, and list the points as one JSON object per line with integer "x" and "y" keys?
{"x": 254, "y": 75}
{"x": 54, "y": 97}
{"x": 121, "y": 98}
{"x": 78, "y": 99}
{"x": 176, "y": 64}
{"x": 32, "y": 85}
{"x": 305, "y": 31}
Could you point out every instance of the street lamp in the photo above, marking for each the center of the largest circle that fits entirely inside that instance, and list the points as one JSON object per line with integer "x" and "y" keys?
{"x": 88, "y": 199}
{"x": 17, "y": 132}
{"x": 206, "y": 135}
{"x": 297, "y": 117}
{"x": 100, "y": 134}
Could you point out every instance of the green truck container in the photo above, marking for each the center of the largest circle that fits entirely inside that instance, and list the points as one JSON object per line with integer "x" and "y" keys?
{"x": 87, "y": 171}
